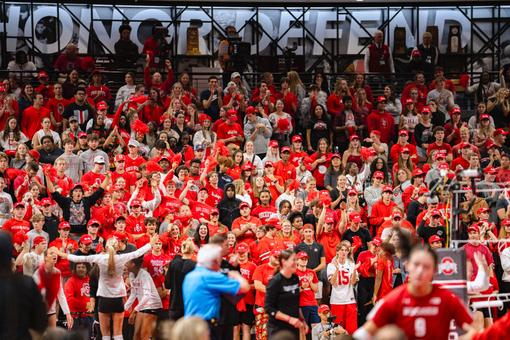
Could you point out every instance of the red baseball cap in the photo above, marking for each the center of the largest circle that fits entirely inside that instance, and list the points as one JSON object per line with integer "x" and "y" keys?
{"x": 19, "y": 204}
{"x": 381, "y": 99}
{"x": 423, "y": 190}
{"x": 86, "y": 239}
{"x": 352, "y": 137}
{"x": 505, "y": 222}
{"x": 249, "y": 110}
{"x": 302, "y": 255}
{"x": 273, "y": 144}
{"x": 247, "y": 166}
{"x": 329, "y": 219}
{"x": 403, "y": 132}
{"x": 296, "y": 138}
{"x": 244, "y": 205}
{"x": 378, "y": 174}
{"x": 335, "y": 155}
{"x": 93, "y": 221}
{"x": 268, "y": 164}
{"x": 405, "y": 149}
{"x": 242, "y": 248}
{"x": 474, "y": 227}
{"x": 285, "y": 149}
{"x": 485, "y": 117}
{"x": 409, "y": 101}
{"x": 352, "y": 192}
{"x": 455, "y": 111}
{"x": 275, "y": 252}
{"x": 425, "y": 110}
{"x": 120, "y": 158}
{"x": 435, "y": 238}
{"x": 323, "y": 309}
{"x": 42, "y": 74}
{"x": 38, "y": 240}
{"x": 64, "y": 225}
{"x": 435, "y": 212}
{"x": 490, "y": 170}
{"x": 82, "y": 134}
{"x": 377, "y": 241}
{"x": 214, "y": 211}
{"x": 45, "y": 201}
{"x": 101, "y": 106}
{"x": 136, "y": 203}
{"x": 418, "y": 172}
{"x": 387, "y": 188}
{"x": 355, "y": 217}
{"x": 443, "y": 166}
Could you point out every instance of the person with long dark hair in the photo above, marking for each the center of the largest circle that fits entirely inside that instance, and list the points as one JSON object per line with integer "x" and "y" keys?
{"x": 282, "y": 298}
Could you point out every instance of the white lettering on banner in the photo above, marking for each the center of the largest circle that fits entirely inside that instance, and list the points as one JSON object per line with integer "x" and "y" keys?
{"x": 420, "y": 311}
{"x": 273, "y": 23}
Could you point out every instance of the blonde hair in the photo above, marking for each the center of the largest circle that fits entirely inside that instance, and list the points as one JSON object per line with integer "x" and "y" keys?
{"x": 111, "y": 244}
{"x": 192, "y": 328}
{"x": 294, "y": 81}
{"x": 239, "y": 186}
{"x": 187, "y": 246}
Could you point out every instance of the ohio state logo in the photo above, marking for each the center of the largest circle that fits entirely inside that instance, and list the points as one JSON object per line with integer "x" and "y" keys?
{"x": 447, "y": 266}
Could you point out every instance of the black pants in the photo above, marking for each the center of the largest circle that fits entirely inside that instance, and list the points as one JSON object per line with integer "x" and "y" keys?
{"x": 365, "y": 294}
{"x": 224, "y": 332}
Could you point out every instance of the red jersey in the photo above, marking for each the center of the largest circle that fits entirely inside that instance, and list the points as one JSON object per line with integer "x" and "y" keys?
{"x": 247, "y": 270}
{"x": 77, "y": 291}
{"x": 200, "y": 210}
{"x": 426, "y": 317}
{"x": 380, "y": 211}
{"x": 68, "y": 246}
{"x": 93, "y": 92}
{"x": 265, "y": 246}
{"x": 31, "y": 120}
{"x": 443, "y": 147}
{"x": 264, "y": 273}
{"x": 263, "y": 213}
{"x": 366, "y": 269}
{"x": 285, "y": 170}
{"x": 133, "y": 164}
{"x": 306, "y": 294}
{"x": 215, "y": 195}
{"x": 129, "y": 177}
{"x": 295, "y": 157}
{"x": 57, "y": 107}
{"x": 13, "y": 225}
{"x": 249, "y": 235}
{"x": 65, "y": 183}
{"x": 320, "y": 171}
{"x": 271, "y": 186}
{"x": 471, "y": 249}
{"x": 385, "y": 266}
{"x": 226, "y": 130}
{"x": 135, "y": 224}
{"x": 91, "y": 178}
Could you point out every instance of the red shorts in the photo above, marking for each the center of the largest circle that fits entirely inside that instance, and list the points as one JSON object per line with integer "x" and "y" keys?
{"x": 346, "y": 316}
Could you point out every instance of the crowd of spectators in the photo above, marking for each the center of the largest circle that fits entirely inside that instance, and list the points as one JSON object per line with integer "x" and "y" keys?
{"x": 338, "y": 174}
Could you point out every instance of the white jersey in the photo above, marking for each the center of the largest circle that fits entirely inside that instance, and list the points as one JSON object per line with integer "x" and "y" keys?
{"x": 343, "y": 293}
{"x": 143, "y": 289}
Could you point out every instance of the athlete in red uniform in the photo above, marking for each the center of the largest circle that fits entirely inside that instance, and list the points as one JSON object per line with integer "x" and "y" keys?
{"x": 422, "y": 310}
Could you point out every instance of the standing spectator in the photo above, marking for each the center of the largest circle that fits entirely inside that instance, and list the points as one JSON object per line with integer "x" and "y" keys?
{"x": 308, "y": 287}
{"x": 77, "y": 291}
{"x": 206, "y": 283}
{"x": 49, "y": 151}
{"x": 88, "y": 157}
{"x": 230, "y": 132}
{"x": 97, "y": 91}
{"x": 378, "y": 58}
{"x": 125, "y": 92}
{"x": 126, "y": 51}
{"x": 282, "y": 298}
{"x": 21, "y": 68}
{"x": 442, "y": 96}
{"x": 212, "y": 98}
{"x": 381, "y": 120}
{"x": 32, "y": 116}
{"x": 68, "y": 60}
{"x": 26, "y": 99}
{"x": 429, "y": 55}
{"x": 343, "y": 277}
{"x": 80, "y": 109}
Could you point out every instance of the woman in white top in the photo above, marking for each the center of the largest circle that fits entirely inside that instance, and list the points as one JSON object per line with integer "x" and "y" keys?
{"x": 45, "y": 131}
{"x": 12, "y": 136}
{"x": 111, "y": 289}
{"x": 143, "y": 289}
{"x": 250, "y": 156}
{"x": 125, "y": 91}
{"x": 49, "y": 281}
{"x": 342, "y": 274}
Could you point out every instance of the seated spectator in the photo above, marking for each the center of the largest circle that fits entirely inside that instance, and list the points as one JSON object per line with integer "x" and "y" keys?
{"x": 21, "y": 67}
{"x": 68, "y": 60}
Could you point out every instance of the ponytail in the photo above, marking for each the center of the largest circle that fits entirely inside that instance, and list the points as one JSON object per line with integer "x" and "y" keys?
{"x": 111, "y": 256}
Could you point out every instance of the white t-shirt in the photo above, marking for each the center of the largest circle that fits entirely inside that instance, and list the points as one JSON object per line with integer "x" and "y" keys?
{"x": 343, "y": 293}
{"x": 143, "y": 289}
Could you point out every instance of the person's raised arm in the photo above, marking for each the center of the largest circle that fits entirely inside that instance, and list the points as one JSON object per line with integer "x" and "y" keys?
{"x": 182, "y": 196}
{"x": 320, "y": 222}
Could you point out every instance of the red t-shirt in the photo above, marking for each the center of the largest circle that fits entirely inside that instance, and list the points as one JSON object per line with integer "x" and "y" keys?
{"x": 133, "y": 164}
{"x": 70, "y": 246}
{"x": 263, "y": 213}
{"x": 57, "y": 107}
{"x": 91, "y": 178}
{"x": 471, "y": 249}
{"x": 265, "y": 246}
{"x": 285, "y": 171}
{"x": 31, "y": 120}
{"x": 426, "y": 317}
{"x": 446, "y": 148}
{"x": 306, "y": 294}
{"x": 77, "y": 291}
{"x": 329, "y": 241}
{"x": 247, "y": 271}
{"x": 200, "y": 210}
{"x": 385, "y": 265}
{"x": 264, "y": 273}
{"x": 215, "y": 195}
{"x": 135, "y": 224}
{"x": 249, "y": 235}
{"x": 13, "y": 225}
{"x": 226, "y": 130}
{"x": 130, "y": 178}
